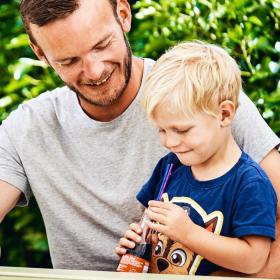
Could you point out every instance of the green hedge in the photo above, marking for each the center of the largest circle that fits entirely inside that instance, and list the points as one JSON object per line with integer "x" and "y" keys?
{"x": 248, "y": 29}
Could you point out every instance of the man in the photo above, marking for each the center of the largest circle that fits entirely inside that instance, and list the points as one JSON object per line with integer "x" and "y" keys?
{"x": 84, "y": 150}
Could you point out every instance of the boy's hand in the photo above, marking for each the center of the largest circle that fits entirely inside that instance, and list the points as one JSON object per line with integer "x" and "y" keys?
{"x": 131, "y": 236}
{"x": 170, "y": 220}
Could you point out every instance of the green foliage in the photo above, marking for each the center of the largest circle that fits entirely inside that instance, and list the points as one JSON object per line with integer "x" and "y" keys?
{"x": 23, "y": 239}
{"x": 249, "y": 30}
{"x": 22, "y": 77}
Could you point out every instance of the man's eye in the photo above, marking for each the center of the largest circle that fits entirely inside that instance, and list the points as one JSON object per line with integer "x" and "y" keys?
{"x": 68, "y": 62}
{"x": 103, "y": 46}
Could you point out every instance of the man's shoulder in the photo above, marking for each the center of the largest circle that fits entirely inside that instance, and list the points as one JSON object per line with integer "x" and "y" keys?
{"x": 41, "y": 107}
{"x": 56, "y": 95}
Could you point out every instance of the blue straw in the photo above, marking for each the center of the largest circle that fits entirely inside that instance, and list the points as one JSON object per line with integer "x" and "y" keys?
{"x": 166, "y": 176}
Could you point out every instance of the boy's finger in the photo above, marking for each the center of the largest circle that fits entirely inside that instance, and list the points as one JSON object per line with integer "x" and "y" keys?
{"x": 133, "y": 236}
{"x": 155, "y": 203}
{"x": 159, "y": 204}
{"x": 159, "y": 218}
{"x": 120, "y": 251}
{"x": 136, "y": 228}
{"x": 161, "y": 211}
{"x": 125, "y": 243}
{"x": 157, "y": 227}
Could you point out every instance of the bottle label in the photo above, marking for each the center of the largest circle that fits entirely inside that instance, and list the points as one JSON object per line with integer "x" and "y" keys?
{"x": 131, "y": 263}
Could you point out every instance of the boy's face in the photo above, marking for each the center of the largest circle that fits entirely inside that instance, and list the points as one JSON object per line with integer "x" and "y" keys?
{"x": 195, "y": 140}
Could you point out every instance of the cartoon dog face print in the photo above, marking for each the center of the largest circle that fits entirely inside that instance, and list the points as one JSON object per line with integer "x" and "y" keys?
{"x": 170, "y": 257}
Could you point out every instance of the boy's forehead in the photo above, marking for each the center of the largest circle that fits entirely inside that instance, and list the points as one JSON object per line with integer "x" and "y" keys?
{"x": 171, "y": 117}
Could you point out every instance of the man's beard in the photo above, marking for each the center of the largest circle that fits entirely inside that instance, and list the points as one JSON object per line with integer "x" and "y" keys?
{"x": 118, "y": 93}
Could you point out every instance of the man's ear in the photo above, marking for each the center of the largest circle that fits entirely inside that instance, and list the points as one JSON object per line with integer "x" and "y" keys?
{"x": 124, "y": 15}
{"x": 39, "y": 53}
{"x": 227, "y": 111}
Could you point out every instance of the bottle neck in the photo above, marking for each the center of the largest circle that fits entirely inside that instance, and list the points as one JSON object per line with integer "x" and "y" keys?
{"x": 146, "y": 232}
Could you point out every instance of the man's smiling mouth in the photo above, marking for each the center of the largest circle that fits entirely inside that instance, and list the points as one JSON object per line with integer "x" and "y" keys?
{"x": 98, "y": 83}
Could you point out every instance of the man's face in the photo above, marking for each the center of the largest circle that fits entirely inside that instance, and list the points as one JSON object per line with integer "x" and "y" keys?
{"x": 89, "y": 51}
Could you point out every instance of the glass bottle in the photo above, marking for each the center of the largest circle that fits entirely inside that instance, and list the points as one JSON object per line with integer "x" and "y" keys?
{"x": 138, "y": 259}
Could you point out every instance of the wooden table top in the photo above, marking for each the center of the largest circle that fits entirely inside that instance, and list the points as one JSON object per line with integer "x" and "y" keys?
{"x": 20, "y": 273}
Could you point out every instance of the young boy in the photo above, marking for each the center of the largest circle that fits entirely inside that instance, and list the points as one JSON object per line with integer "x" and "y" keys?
{"x": 219, "y": 207}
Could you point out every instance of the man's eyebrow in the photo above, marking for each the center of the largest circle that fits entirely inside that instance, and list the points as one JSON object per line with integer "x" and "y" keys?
{"x": 104, "y": 39}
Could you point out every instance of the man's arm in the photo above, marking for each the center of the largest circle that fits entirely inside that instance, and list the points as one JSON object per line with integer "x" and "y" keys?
{"x": 9, "y": 196}
{"x": 271, "y": 165}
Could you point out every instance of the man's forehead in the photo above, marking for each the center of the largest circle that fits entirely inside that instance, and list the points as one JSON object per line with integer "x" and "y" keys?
{"x": 81, "y": 28}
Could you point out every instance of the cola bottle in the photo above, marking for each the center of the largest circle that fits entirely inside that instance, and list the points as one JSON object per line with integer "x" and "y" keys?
{"x": 138, "y": 259}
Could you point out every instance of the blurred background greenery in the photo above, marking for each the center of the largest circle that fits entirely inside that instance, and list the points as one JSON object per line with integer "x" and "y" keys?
{"x": 248, "y": 29}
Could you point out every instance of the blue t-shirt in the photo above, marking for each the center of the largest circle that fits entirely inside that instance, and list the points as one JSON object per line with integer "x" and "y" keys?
{"x": 241, "y": 202}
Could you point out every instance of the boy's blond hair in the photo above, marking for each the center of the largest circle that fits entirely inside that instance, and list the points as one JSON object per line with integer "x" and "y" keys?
{"x": 192, "y": 77}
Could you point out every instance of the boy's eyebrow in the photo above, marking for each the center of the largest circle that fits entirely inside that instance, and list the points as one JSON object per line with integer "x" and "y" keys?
{"x": 185, "y": 126}
{"x": 104, "y": 39}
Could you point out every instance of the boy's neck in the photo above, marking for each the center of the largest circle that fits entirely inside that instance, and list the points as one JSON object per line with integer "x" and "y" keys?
{"x": 221, "y": 162}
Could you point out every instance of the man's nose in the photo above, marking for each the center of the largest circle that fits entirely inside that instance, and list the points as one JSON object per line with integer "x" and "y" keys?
{"x": 93, "y": 68}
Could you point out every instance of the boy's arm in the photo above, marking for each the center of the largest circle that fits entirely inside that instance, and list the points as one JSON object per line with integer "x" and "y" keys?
{"x": 247, "y": 255}
{"x": 9, "y": 196}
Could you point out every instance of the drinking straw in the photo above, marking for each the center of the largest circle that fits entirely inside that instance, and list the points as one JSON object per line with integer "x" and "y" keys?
{"x": 166, "y": 177}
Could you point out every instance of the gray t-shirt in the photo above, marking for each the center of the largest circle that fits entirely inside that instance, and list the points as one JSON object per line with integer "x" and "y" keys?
{"x": 85, "y": 174}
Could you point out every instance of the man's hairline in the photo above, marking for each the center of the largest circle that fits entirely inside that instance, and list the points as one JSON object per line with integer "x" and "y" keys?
{"x": 29, "y": 23}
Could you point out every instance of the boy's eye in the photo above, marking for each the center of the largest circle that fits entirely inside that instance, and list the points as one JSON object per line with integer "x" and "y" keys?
{"x": 182, "y": 131}
{"x": 161, "y": 130}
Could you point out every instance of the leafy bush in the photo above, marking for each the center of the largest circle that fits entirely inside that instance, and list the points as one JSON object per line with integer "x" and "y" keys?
{"x": 22, "y": 77}
{"x": 248, "y": 29}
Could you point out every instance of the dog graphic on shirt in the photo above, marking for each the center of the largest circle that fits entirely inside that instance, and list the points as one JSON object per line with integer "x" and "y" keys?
{"x": 170, "y": 257}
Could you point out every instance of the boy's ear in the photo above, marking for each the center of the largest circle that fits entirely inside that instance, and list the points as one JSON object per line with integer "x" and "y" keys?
{"x": 39, "y": 53}
{"x": 124, "y": 15}
{"x": 227, "y": 112}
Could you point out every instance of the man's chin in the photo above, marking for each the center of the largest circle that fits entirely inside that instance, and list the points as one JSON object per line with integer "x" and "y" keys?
{"x": 100, "y": 102}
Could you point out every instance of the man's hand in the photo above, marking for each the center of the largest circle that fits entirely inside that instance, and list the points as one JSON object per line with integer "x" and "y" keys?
{"x": 271, "y": 165}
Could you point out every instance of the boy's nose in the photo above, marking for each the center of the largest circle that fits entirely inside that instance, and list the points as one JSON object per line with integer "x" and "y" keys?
{"x": 171, "y": 141}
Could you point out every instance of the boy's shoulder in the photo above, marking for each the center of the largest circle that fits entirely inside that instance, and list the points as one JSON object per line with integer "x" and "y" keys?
{"x": 248, "y": 168}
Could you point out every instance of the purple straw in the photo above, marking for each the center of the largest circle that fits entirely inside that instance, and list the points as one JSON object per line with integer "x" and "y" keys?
{"x": 165, "y": 180}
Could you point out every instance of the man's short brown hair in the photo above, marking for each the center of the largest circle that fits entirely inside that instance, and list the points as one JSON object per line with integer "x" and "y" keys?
{"x": 41, "y": 12}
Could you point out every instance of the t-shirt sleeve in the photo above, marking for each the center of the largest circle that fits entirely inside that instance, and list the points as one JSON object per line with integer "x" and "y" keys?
{"x": 11, "y": 169}
{"x": 255, "y": 209}
{"x": 151, "y": 188}
{"x": 251, "y": 132}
